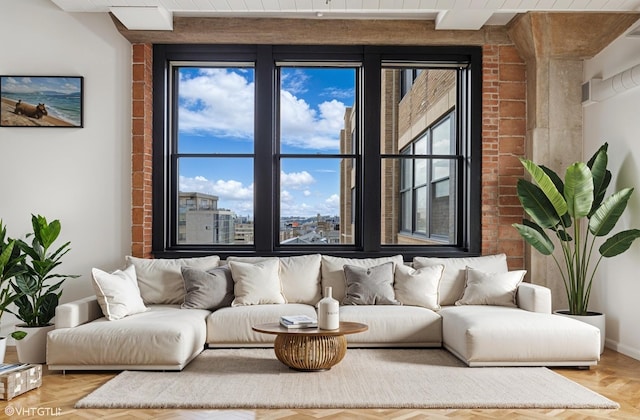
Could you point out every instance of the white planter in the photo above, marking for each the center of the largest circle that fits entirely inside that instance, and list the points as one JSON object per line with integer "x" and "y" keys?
{"x": 33, "y": 348}
{"x": 596, "y": 319}
{"x": 3, "y": 348}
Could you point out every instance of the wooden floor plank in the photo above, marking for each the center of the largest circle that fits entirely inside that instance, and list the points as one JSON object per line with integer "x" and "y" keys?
{"x": 616, "y": 377}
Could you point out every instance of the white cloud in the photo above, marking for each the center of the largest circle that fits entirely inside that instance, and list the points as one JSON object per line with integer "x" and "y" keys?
{"x": 295, "y": 82}
{"x": 232, "y": 194}
{"x": 285, "y": 196}
{"x": 306, "y": 193}
{"x": 333, "y": 200}
{"x": 296, "y": 180}
{"x": 307, "y": 128}
{"x": 217, "y": 101}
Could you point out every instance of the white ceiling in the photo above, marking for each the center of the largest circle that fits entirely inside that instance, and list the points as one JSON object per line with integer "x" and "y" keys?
{"x": 448, "y": 14}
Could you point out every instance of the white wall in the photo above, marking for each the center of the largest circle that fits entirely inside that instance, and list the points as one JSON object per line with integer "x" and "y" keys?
{"x": 81, "y": 176}
{"x": 617, "y": 121}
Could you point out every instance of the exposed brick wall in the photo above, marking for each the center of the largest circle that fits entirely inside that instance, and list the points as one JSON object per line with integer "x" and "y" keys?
{"x": 141, "y": 150}
{"x": 503, "y": 141}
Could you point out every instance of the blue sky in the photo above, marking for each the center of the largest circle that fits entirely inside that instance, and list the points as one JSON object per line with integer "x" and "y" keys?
{"x": 216, "y": 116}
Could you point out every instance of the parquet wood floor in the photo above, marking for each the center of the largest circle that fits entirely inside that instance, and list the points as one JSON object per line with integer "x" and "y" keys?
{"x": 616, "y": 377}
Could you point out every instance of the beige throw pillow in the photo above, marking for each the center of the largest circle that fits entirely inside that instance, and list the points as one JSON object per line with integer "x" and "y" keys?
{"x": 160, "y": 280}
{"x": 299, "y": 275}
{"x": 256, "y": 283}
{"x": 497, "y": 289}
{"x": 418, "y": 287}
{"x": 117, "y": 293}
{"x": 453, "y": 277}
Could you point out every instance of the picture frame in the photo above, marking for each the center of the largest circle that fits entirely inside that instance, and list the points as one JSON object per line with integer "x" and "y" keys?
{"x": 41, "y": 101}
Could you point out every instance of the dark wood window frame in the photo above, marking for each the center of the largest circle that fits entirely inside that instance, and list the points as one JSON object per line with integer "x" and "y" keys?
{"x": 368, "y": 159}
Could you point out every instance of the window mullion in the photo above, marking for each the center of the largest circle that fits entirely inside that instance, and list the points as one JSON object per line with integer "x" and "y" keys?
{"x": 370, "y": 190}
{"x": 265, "y": 162}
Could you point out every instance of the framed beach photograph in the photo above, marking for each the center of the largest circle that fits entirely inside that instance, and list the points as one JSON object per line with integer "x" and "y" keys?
{"x": 41, "y": 101}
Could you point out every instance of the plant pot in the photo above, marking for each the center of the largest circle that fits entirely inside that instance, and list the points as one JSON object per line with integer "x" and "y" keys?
{"x": 3, "y": 348}
{"x": 592, "y": 318}
{"x": 33, "y": 347}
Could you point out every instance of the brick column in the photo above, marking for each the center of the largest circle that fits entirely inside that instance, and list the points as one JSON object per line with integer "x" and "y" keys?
{"x": 141, "y": 154}
{"x": 503, "y": 141}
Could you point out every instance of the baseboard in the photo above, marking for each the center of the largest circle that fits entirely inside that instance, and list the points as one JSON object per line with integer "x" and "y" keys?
{"x": 621, "y": 348}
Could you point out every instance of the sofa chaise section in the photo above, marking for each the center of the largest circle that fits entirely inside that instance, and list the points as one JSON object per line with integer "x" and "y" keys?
{"x": 163, "y": 338}
{"x": 483, "y": 335}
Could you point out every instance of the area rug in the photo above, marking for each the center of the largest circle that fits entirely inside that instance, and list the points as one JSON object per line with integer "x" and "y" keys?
{"x": 366, "y": 378}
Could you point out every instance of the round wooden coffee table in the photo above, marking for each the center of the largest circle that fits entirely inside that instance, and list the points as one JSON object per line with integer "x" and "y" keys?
{"x": 310, "y": 349}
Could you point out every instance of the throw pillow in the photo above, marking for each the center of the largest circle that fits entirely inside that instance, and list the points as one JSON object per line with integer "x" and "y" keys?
{"x": 160, "y": 280}
{"x": 369, "y": 285}
{"x": 418, "y": 287}
{"x": 257, "y": 283}
{"x": 212, "y": 289}
{"x": 497, "y": 289}
{"x": 333, "y": 270}
{"x": 117, "y": 293}
{"x": 453, "y": 277}
{"x": 299, "y": 275}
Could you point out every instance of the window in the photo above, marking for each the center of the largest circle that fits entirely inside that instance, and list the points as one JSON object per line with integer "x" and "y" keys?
{"x": 270, "y": 150}
{"x": 428, "y": 204}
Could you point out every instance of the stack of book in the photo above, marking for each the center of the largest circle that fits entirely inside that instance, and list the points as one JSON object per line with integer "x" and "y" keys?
{"x": 10, "y": 367}
{"x": 298, "y": 321}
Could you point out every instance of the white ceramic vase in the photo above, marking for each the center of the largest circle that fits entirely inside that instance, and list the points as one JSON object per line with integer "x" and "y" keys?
{"x": 33, "y": 347}
{"x": 596, "y": 319}
{"x": 328, "y": 311}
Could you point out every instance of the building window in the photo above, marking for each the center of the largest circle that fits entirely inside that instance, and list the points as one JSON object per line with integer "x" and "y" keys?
{"x": 269, "y": 150}
{"x": 428, "y": 204}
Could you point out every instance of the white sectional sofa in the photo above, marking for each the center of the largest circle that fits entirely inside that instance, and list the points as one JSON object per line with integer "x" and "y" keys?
{"x": 161, "y": 320}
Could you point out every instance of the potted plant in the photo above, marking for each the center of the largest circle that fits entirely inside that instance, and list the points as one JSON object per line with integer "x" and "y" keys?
{"x": 10, "y": 266}
{"x": 36, "y": 298}
{"x": 576, "y": 213}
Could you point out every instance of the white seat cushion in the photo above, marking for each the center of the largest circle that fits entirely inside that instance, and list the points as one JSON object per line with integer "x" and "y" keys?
{"x": 229, "y": 326}
{"x": 501, "y": 336}
{"x": 395, "y": 326}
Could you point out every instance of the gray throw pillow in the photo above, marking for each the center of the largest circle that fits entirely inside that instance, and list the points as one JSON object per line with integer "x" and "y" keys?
{"x": 212, "y": 289}
{"x": 370, "y": 285}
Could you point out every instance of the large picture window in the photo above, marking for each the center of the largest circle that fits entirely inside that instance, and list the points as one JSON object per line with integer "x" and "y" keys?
{"x": 274, "y": 150}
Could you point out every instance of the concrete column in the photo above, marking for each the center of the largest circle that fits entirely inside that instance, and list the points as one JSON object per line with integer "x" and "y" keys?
{"x": 554, "y": 46}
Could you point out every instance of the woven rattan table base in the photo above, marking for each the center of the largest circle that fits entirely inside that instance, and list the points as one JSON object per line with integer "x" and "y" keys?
{"x": 310, "y": 353}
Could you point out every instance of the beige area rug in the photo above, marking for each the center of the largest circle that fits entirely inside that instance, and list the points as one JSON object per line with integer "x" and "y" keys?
{"x": 366, "y": 378}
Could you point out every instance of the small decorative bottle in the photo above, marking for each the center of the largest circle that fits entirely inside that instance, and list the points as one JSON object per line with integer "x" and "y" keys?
{"x": 328, "y": 312}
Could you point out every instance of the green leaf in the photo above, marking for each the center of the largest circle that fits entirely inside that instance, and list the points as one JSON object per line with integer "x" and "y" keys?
{"x": 619, "y": 243}
{"x": 45, "y": 233}
{"x": 564, "y": 236}
{"x": 547, "y": 186}
{"x": 5, "y": 255}
{"x": 47, "y": 305}
{"x": 578, "y": 190}
{"x": 607, "y": 215}
{"x": 18, "y": 335}
{"x": 536, "y": 204}
{"x": 601, "y": 176}
{"x": 535, "y": 236}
